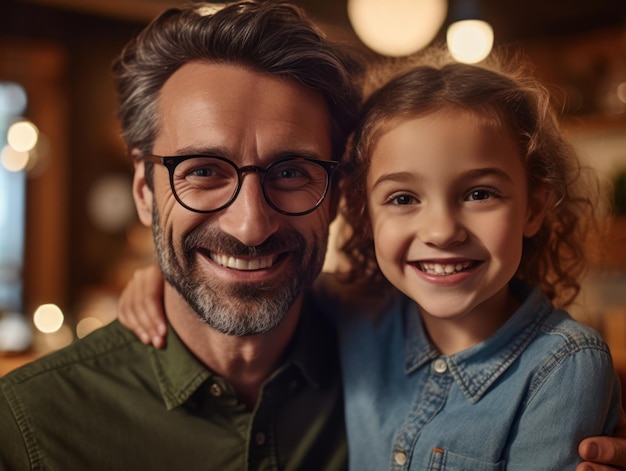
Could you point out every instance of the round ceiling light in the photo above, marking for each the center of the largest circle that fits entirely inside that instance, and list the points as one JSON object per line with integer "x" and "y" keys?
{"x": 397, "y": 27}
{"x": 470, "y": 41}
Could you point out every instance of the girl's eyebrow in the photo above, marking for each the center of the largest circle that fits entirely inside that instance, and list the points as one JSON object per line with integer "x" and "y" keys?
{"x": 488, "y": 172}
{"x": 400, "y": 177}
{"x": 473, "y": 174}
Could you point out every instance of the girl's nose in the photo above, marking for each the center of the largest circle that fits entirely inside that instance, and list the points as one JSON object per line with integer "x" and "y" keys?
{"x": 440, "y": 227}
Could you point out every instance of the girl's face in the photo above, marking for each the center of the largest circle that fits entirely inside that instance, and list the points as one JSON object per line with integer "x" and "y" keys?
{"x": 449, "y": 207}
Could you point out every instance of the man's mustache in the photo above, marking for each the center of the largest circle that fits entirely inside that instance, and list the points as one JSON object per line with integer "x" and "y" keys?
{"x": 220, "y": 242}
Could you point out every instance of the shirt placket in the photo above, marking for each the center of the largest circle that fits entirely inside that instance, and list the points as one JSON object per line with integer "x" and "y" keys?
{"x": 429, "y": 399}
{"x": 262, "y": 441}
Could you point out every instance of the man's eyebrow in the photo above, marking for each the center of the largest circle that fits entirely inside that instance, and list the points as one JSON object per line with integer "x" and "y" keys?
{"x": 223, "y": 152}
{"x": 202, "y": 150}
{"x": 307, "y": 154}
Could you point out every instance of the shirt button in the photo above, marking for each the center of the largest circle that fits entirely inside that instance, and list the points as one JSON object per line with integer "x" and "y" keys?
{"x": 260, "y": 438}
{"x": 440, "y": 366}
{"x": 215, "y": 390}
{"x": 399, "y": 457}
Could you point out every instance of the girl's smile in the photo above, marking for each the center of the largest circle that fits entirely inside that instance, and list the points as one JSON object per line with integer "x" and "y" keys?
{"x": 446, "y": 273}
{"x": 446, "y": 268}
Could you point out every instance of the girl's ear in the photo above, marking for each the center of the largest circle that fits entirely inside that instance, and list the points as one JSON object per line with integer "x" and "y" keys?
{"x": 142, "y": 194}
{"x": 538, "y": 203}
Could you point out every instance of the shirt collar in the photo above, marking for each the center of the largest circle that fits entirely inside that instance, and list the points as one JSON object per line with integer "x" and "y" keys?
{"x": 312, "y": 351}
{"x": 477, "y": 368}
{"x": 179, "y": 373}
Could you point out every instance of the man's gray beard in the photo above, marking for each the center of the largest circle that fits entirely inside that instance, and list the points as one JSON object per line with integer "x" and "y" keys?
{"x": 242, "y": 309}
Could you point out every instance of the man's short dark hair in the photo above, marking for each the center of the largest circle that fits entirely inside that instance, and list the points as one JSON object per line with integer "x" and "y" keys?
{"x": 271, "y": 37}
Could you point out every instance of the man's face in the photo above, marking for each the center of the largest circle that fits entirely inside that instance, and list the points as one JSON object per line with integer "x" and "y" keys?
{"x": 242, "y": 268}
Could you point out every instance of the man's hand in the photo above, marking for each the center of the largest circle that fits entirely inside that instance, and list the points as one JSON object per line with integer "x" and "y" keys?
{"x": 140, "y": 307}
{"x": 604, "y": 453}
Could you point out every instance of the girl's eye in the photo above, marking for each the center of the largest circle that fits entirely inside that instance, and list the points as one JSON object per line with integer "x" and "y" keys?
{"x": 480, "y": 194}
{"x": 401, "y": 200}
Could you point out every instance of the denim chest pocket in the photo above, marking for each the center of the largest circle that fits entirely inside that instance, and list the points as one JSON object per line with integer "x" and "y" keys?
{"x": 445, "y": 460}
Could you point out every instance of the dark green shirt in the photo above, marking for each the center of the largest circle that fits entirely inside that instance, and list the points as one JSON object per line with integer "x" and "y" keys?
{"x": 108, "y": 402}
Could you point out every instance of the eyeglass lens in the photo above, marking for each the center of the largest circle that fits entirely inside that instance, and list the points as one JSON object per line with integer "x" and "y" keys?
{"x": 207, "y": 183}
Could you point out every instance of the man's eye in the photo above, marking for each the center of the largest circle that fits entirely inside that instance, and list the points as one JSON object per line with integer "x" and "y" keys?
{"x": 201, "y": 172}
{"x": 290, "y": 173}
{"x": 295, "y": 177}
{"x": 205, "y": 176}
{"x": 209, "y": 171}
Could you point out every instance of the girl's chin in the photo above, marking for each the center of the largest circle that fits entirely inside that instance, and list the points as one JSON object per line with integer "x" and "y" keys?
{"x": 444, "y": 311}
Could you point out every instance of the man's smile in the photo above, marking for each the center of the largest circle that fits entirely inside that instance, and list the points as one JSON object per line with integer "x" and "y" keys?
{"x": 247, "y": 264}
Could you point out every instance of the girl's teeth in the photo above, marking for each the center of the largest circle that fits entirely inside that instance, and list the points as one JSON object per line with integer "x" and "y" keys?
{"x": 444, "y": 269}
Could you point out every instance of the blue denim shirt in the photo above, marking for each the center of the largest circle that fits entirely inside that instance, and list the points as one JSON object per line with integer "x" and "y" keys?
{"x": 520, "y": 400}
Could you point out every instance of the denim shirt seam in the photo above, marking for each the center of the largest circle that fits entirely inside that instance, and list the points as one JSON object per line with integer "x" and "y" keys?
{"x": 571, "y": 345}
{"x": 475, "y": 387}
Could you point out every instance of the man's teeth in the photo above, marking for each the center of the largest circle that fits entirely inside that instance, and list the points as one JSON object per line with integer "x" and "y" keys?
{"x": 444, "y": 268}
{"x": 242, "y": 264}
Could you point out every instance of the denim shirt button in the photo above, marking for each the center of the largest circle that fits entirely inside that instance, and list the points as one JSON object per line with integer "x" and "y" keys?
{"x": 440, "y": 366}
{"x": 399, "y": 457}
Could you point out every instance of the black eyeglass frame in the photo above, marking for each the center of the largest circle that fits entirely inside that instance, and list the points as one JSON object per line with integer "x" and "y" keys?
{"x": 172, "y": 161}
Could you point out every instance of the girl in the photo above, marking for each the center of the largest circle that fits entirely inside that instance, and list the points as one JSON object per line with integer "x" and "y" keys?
{"x": 465, "y": 197}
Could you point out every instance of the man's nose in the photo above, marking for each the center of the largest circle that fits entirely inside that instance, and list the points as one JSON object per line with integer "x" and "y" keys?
{"x": 249, "y": 218}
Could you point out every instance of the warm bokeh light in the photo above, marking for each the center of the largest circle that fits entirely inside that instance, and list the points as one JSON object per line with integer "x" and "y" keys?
{"x": 87, "y": 325}
{"x": 56, "y": 340}
{"x": 110, "y": 203}
{"x": 15, "y": 333}
{"x": 14, "y": 160}
{"x": 397, "y": 27}
{"x": 13, "y": 99}
{"x": 207, "y": 10}
{"x": 22, "y": 136}
{"x": 470, "y": 41}
{"x": 621, "y": 92}
{"x": 48, "y": 318}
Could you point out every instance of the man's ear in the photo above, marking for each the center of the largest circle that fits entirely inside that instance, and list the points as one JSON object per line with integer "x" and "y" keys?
{"x": 538, "y": 203}
{"x": 142, "y": 194}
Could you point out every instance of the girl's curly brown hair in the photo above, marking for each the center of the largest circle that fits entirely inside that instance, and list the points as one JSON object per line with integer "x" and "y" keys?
{"x": 510, "y": 98}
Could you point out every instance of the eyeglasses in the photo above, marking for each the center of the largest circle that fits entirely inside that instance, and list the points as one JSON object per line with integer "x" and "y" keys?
{"x": 293, "y": 186}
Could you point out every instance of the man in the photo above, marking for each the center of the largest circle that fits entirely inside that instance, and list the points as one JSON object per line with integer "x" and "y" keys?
{"x": 235, "y": 122}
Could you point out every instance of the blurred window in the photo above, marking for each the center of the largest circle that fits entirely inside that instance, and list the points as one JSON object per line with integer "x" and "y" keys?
{"x": 12, "y": 201}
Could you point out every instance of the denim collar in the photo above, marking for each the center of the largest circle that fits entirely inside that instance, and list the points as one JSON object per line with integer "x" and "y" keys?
{"x": 477, "y": 368}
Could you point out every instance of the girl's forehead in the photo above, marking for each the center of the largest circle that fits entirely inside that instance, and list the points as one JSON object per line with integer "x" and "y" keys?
{"x": 485, "y": 116}
{"x": 482, "y": 121}
{"x": 443, "y": 146}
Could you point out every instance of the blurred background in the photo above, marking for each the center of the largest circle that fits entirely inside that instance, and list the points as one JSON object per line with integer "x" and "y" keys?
{"x": 69, "y": 235}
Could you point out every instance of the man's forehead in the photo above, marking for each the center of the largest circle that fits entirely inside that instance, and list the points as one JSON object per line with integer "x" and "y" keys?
{"x": 213, "y": 104}
{"x": 231, "y": 81}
